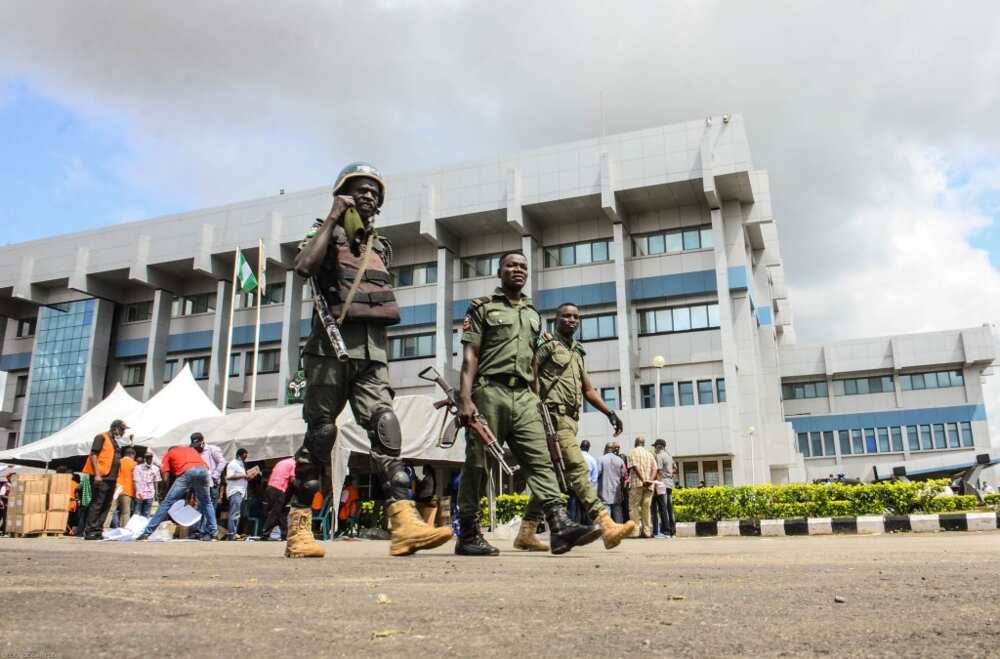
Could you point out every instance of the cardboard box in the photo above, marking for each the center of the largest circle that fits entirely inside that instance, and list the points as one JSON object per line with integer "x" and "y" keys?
{"x": 56, "y": 521}
{"x": 26, "y": 523}
{"x": 28, "y": 504}
{"x": 60, "y": 483}
{"x": 31, "y": 484}
{"x": 59, "y": 501}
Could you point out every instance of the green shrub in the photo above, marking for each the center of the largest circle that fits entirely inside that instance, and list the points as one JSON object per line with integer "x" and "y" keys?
{"x": 819, "y": 500}
{"x": 509, "y": 506}
{"x": 993, "y": 501}
{"x": 372, "y": 515}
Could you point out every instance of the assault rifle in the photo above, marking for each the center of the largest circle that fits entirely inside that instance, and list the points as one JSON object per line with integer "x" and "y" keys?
{"x": 477, "y": 425}
{"x": 555, "y": 451}
{"x": 329, "y": 322}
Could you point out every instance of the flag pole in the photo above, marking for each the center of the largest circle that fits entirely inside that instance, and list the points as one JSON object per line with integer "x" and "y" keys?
{"x": 256, "y": 332}
{"x": 229, "y": 334}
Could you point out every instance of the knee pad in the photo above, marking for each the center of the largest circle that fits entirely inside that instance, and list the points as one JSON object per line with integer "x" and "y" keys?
{"x": 319, "y": 440}
{"x": 384, "y": 433}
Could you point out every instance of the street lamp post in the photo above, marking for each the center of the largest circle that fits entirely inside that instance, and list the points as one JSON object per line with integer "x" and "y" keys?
{"x": 659, "y": 362}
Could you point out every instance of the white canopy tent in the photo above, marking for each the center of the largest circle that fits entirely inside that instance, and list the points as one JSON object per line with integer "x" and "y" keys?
{"x": 178, "y": 402}
{"x": 76, "y": 438}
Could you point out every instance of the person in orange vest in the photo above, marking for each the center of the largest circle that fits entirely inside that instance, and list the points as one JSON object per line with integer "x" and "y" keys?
{"x": 121, "y": 507}
{"x": 103, "y": 464}
{"x": 348, "y": 514}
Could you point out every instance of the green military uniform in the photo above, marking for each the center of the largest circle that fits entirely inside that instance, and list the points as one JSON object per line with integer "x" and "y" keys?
{"x": 561, "y": 372}
{"x": 506, "y": 334}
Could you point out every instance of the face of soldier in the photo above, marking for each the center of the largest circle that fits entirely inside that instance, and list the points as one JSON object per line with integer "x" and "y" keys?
{"x": 568, "y": 320}
{"x": 513, "y": 272}
{"x": 365, "y": 193}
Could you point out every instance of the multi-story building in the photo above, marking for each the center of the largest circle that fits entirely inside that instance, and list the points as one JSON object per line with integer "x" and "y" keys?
{"x": 664, "y": 237}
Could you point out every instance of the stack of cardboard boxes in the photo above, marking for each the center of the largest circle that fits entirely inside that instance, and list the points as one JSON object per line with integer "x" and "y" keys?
{"x": 39, "y": 503}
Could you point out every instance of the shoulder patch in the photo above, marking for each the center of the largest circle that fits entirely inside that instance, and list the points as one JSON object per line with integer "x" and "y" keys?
{"x": 477, "y": 302}
{"x": 543, "y": 338}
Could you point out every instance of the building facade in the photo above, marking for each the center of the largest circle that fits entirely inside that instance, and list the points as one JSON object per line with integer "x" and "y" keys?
{"x": 664, "y": 237}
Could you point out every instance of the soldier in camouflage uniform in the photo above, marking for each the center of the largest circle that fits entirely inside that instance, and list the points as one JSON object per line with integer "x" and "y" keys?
{"x": 499, "y": 338}
{"x": 333, "y": 254}
{"x": 562, "y": 383}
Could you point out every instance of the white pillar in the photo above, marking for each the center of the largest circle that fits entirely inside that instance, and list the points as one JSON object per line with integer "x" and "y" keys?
{"x": 444, "y": 301}
{"x": 291, "y": 332}
{"x": 218, "y": 363}
{"x": 156, "y": 351}
{"x": 529, "y": 247}
{"x": 621, "y": 246}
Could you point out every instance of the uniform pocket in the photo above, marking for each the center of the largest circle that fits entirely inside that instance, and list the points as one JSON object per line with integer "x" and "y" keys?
{"x": 500, "y": 325}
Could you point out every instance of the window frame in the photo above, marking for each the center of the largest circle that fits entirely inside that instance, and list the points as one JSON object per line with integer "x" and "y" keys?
{"x": 669, "y": 237}
{"x": 552, "y": 253}
{"x": 129, "y": 368}
{"x": 675, "y": 312}
{"x": 400, "y": 340}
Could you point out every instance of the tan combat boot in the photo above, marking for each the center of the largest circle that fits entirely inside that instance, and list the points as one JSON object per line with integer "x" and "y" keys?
{"x": 611, "y": 532}
{"x": 526, "y": 538}
{"x": 409, "y": 531}
{"x": 301, "y": 543}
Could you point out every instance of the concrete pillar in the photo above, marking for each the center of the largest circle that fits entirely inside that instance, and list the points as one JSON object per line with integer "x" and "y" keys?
{"x": 291, "y": 332}
{"x": 740, "y": 436}
{"x": 156, "y": 351}
{"x": 218, "y": 362}
{"x": 444, "y": 299}
{"x": 98, "y": 352}
{"x": 529, "y": 247}
{"x": 622, "y": 297}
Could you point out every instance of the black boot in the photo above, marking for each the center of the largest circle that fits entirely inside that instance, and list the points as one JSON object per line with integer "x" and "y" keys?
{"x": 564, "y": 533}
{"x": 470, "y": 541}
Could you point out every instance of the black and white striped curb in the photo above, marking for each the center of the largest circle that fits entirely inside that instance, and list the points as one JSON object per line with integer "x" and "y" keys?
{"x": 842, "y": 525}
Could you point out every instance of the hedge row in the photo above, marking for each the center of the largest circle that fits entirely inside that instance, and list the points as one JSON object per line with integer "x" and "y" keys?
{"x": 771, "y": 502}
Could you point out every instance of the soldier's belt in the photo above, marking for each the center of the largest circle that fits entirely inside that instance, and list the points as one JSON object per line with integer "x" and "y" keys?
{"x": 370, "y": 275}
{"x": 564, "y": 410}
{"x": 509, "y": 381}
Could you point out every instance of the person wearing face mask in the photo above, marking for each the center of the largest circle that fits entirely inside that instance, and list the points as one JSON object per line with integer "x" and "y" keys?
{"x": 146, "y": 476}
{"x": 103, "y": 465}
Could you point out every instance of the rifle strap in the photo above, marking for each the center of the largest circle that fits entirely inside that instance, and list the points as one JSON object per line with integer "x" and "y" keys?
{"x": 358, "y": 276}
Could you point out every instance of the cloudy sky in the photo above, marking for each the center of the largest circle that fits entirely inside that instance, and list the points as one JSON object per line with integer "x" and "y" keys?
{"x": 878, "y": 121}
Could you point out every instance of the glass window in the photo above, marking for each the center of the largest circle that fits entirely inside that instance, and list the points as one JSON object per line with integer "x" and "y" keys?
{"x": 640, "y": 246}
{"x": 21, "y": 386}
{"x": 647, "y": 396}
{"x": 926, "y": 442}
{"x": 918, "y": 380}
{"x": 411, "y": 346}
{"x": 667, "y": 398}
{"x": 674, "y": 242}
{"x": 957, "y": 380}
{"x": 600, "y": 251}
{"x": 663, "y": 321}
{"x": 850, "y": 387}
{"x": 588, "y": 328}
{"x": 686, "y": 391}
{"x": 809, "y": 390}
{"x": 610, "y": 397}
{"x": 943, "y": 379}
{"x": 705, "y": 392}
{"x": 135, "y": 375}
{"x": 607, "y": 326}
{"x": 905, "y": 382}
{"x": 857, "y": 442}
{"x": 816, "y": 444}
{"x": 234, "y": 364}
{"x": 870, "y": 445}
{"x": 912, "y": 438}
{"x": 567, "y": 255}
{"x": 584, "y": 254}
{"x": 713, "y": 315}
{"x": 720, "y": 390}
{"x": 552, "y": 257}
{"x": 727, "y": 472}
{"x": 939, "y": 437}
{"x": 804, "y": 443}
{"x": 692, "y": 239}
{"x": 967, "y": 439}
{"x": 275, "y": 294}
{"x": 199, "y": 367}
{"x": 883, "y": 440}
{"x": 657, "y": 244}
{"x": 711, "y": 471}
{"x": 268, "y": 361}
{"x": 682, "y": 319}
{"x": 170, "y": 370}
{"x": 139, "y": 311}
{"x": 845, "y": 442}
{"x": 691, "y": 474}
{"x": 953, "y": 441}
{"x": 26, "y": 327}
{"x": 706, "y": 238}
{"x": 897, "y": 439}
{"x": 699, "y": 317}
{"x": 821, "y": 390}
{"x": 828, "y": 443}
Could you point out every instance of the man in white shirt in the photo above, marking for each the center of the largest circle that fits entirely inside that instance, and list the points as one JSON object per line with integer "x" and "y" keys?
{"x": 146, "y": 476}
{"x": 237, "y": 480}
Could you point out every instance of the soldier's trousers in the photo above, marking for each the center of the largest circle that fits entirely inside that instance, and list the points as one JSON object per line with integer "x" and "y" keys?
{"x": 577, "y": 474}
{"x": 512, "y": 415}
{"x": 331, "y": 385}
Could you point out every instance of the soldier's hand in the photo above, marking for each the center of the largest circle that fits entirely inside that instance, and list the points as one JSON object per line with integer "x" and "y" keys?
{"x": 467, "y": 412}
{"x": 341, "y": 203}
{"x": 616, "y": 422}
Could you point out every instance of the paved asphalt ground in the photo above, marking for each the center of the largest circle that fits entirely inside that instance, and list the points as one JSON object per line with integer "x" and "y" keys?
{"x": 910, "y": 594}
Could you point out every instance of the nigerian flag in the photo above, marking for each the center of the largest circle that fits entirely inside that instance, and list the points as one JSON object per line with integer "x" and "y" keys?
{"x": 244, "y": 274}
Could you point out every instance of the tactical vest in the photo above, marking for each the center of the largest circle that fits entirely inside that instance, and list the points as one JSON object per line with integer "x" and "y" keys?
{"x": 374, "y": 299}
